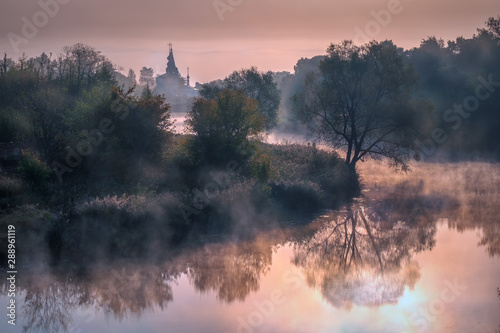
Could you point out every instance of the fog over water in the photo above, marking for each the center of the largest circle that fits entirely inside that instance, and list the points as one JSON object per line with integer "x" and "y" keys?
{"x": 416, "y": 253}
{"x": 296, "y": 166}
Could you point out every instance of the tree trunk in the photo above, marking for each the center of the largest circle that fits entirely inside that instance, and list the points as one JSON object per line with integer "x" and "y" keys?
{"x": 353, "y": 180}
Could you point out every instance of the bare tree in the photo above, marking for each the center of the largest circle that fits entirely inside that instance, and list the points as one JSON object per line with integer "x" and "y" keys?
{"x": 83, "y": 65}
{"x": 360, "y": 101}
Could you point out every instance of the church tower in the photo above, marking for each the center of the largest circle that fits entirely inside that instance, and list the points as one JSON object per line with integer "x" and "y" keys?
{"x": 174, "y": 87}
{"x": 171, "y": 68}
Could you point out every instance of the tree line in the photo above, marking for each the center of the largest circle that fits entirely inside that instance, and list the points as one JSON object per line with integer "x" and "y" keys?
{"x": 378, "y": 100}
{"x": 370, "y": 101}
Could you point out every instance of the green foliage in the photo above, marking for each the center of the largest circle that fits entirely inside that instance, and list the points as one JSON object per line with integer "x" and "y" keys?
{"x": 261, "y": 165}
{"x": 33, "y": 171}
{"x": 148, "y": 126}
{"x": 256, "y": 85}
{"x": 224, "y": 128}
{"x": 13, "y": 126}
{"x": 31, "y": 226}
{"x": 321, "y": 170}
{"x": 29, "y": 217}
{"x": 94, "y": 105}
{"x": 451, "y": 74}
{"x": 43, "y": 110}
{"x": 12, "y": 192}
{"x": 122, "y": 130}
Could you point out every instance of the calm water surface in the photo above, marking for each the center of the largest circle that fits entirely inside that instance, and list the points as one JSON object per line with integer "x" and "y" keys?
{"x": 407, "y": 261}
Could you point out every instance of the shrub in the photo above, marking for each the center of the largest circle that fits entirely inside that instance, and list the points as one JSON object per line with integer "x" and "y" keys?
{"x": 11, "y": 190}
{"x": 120, "y": 226}
{"x": 33, "y": 171}
{"x": 12, "y": 125}
{"x": 224, "y": 128}
{"x": 297, "y": 197}
{"x": 308, "y": 164}
{"x": 31, "y": 226}
{"x": 10, "y": 186}
{"x": 261, "y": 165}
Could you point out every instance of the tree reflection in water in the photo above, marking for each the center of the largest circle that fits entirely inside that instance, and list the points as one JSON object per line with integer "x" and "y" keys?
{"x": 48, "y": 305}
{"x": 132, "y": 290}
{"x": 231, "y": 271}
{"x": 363, "y": 255}
{"x": 357, "y": 258}
{"x": 51, "y": 301}
{"x": 360, "y": 256}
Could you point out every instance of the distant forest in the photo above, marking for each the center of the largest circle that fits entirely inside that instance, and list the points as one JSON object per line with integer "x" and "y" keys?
{"x": 37, "y": 93}
{"x": 460, "y": 78}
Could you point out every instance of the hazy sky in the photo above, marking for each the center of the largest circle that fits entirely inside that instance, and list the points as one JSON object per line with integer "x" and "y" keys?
{"x": 270, "y": 34}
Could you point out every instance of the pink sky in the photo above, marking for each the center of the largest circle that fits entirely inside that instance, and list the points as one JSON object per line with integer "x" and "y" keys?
{"x": 269, "y": 34}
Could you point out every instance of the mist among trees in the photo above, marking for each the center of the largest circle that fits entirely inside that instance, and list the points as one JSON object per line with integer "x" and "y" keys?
{"x": 83, "y": 141}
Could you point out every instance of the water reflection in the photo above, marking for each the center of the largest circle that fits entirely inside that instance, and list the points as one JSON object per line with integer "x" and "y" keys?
{"x": 365, "y": 255}
{"x": 232, "y": 272}
{"x": 131, "y": 290}
{"x": 466, "y": 195}
{"x": 357, "y": 258}
{"x": 480, "y": 210}
{"x": 50, "y": 300}
{"x": 49, "y": 305}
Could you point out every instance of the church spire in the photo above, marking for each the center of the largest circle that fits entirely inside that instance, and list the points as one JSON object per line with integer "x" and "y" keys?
{"x": 171, "y": 68}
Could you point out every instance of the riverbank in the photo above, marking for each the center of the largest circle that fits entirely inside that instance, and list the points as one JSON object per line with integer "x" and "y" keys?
{"x": 171, "y": 203}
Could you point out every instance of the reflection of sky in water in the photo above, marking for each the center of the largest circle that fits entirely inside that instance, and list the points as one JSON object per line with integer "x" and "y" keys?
{"x": 454, "y": 257}
{"x": 392, "y": 282}
{"x": 303, "y": 308}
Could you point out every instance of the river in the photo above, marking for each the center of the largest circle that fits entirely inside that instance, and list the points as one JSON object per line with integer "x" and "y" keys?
{"x": 418, "y": 252}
